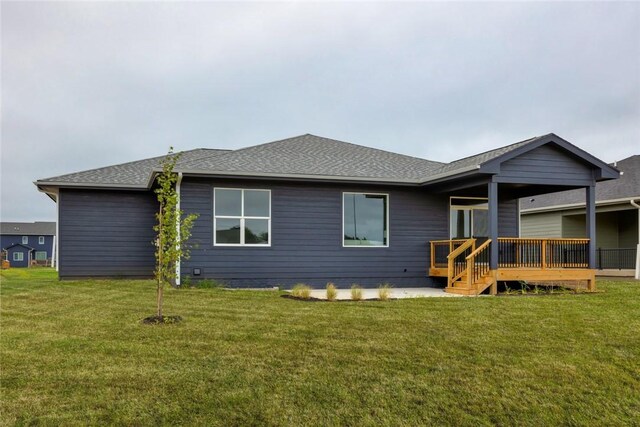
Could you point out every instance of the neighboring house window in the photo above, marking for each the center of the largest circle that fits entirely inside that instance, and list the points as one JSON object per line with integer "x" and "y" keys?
{"x": 365, "y": 219}
{"x": 41, "y": 255}
{"x": 25, "y": 240}
{"x": 41, "y": 240}
{"x": 468, "y": 217}
{"x": 18, "y": 256}
{"x": 242, "y": 217}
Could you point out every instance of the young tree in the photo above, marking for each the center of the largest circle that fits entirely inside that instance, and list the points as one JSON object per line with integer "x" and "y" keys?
{"x": 172, "y": 229}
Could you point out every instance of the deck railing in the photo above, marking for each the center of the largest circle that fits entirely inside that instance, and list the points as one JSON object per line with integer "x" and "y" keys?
{"x": 457, "y": 260}
{"x": 616, "y": 258}
{"x": 440, "y": 249}
{"x": 543, "y": 253}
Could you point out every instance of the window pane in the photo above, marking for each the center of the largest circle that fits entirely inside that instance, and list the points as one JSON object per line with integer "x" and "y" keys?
{"x": 228, "y": 202}
{"x": 227, "y": 230}
{"x": 365, "y": 220}
{"x": 25, "y": 240}
{"x": 18, "y": 256}
{"x": 41, "y": 240}
{"x": 41, "y": 256}
{"x": 460, "y": 223}
{"x": 256, "y": 203}
{"x": 256, "y": 231}
{"x": 480, "y": 223}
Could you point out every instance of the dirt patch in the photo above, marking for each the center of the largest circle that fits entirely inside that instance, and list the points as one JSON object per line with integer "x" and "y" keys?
{"x": 162, "y": 320}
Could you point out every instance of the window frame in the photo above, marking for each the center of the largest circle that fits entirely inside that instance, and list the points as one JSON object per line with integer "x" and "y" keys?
{"x": 469, "y": 208}
{"x": 13, "y": 257}
{"x": 387, "y": 225}
{"x": 25, "y": 240}
{"x": 41, "y": 240}
{"x": 242, "y": 219}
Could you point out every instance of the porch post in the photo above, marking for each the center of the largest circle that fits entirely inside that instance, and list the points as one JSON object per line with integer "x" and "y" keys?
{"x": 493, "y": 224}
{"x": 591, "y": 223}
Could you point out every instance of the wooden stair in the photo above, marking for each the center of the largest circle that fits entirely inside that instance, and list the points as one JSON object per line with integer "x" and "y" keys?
{"x": 461, "y": 286}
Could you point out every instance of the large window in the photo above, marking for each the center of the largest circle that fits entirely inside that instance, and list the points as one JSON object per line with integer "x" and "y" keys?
{"x": 18, "y": 256}
{"x": 469, "y": 217}
{"x": 242, "y": 217}
{"x": 365, "y": 219}
{"x": 41, "y": 256}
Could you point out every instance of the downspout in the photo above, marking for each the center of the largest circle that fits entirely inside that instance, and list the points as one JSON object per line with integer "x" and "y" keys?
{"x": 178, "y": 183}
{"x": 637, "y": 206}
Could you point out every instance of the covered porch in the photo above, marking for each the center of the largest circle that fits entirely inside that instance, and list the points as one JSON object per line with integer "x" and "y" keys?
{"x": 483, "y": 247}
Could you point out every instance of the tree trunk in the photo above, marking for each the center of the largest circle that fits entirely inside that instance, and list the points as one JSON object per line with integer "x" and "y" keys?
{"x": 160, "y": 291}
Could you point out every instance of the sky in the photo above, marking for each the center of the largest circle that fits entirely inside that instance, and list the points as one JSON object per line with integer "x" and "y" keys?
{"x": 90, "y": 84}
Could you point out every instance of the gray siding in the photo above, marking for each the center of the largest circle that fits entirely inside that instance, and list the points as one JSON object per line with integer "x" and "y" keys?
{"x": 106, "y": 233}
{"x": 547, "y": 224}
{"x": 546, "y": 165}
{"x": 306, "y": 242}
{"x": 508, "y": 218}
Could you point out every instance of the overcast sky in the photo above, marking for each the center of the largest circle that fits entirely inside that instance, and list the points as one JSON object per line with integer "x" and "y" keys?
{"x": 91, "y": 84}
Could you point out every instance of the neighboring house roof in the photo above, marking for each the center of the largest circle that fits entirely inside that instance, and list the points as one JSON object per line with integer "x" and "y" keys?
{"x": 626, "y": 187}
{"x": 38, "y": 228}
{"x": 313, "y": 157}
{"x": 18, "y": 244}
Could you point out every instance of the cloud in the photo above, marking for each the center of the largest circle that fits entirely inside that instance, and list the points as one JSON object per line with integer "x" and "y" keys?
{"x": 91, "y": 84}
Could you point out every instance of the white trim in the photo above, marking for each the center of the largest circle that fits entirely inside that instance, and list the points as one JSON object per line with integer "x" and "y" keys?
{"x": 242, "y": 219}
{"x": 387, "y": 225}
{"x": 41, "y": 240}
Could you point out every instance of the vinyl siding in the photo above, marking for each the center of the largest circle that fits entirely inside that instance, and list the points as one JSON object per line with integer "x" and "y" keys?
{"x": 106, "y": 233}
{"x": 547, "y": 224}
{"x": 306, "y": 237}
{"x": 546, "y": 165}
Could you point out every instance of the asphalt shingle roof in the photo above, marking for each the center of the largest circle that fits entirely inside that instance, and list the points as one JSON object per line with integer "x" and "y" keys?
{"x": 310, "y": 155}
{"x": 38, "y": 228}
{"x": 478, "y": 159}
{"x": 627, "y": 186}
{"x": 131, "y": 174}
{"x": 304, "y": 156}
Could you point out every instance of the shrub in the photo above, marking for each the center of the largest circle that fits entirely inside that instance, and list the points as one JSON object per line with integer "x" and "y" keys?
{"x": 332, "y": 292}
{"x": 356, "y": 292}
{"x": 301, "y": 290}
{"x": 384, "y": 291}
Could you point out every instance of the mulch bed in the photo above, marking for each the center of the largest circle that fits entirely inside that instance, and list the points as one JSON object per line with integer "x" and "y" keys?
{"x": 313, "y": 299}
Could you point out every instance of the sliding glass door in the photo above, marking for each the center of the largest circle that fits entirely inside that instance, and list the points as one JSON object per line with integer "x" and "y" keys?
{"x": 468, "y": 218}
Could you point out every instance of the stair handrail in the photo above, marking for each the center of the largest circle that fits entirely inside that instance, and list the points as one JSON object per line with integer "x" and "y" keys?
{"x": 451, "y": 276}
{"x": 473, "y": 273}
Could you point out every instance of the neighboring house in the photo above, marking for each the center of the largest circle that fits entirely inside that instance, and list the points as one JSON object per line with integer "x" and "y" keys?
{"x": 312, "y": 209}
{"x": 38, "y": 236}
{"x": 617, "y": 221}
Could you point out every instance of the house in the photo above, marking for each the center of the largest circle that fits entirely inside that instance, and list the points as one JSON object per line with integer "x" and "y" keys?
{"x": 562, "y": 214}
{"x": 312, "y": 209}
{"x": 38, "y": 236}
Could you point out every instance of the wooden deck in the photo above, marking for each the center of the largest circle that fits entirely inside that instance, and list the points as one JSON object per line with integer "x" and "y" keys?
{"x": 466, "y": 264}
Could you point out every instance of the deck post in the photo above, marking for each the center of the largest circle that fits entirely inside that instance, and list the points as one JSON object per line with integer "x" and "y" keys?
{"x": 493, "y": 224}
{"x": 591, "y": 223}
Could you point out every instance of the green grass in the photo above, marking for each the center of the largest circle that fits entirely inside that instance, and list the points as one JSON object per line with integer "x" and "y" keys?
{"x": 76, "y": 353}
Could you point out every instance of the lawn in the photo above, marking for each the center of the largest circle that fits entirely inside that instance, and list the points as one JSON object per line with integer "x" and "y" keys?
{"x": 76, "y": 353}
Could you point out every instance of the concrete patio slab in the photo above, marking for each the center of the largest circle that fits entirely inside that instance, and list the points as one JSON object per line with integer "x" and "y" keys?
{"x": 396, "y": 293}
